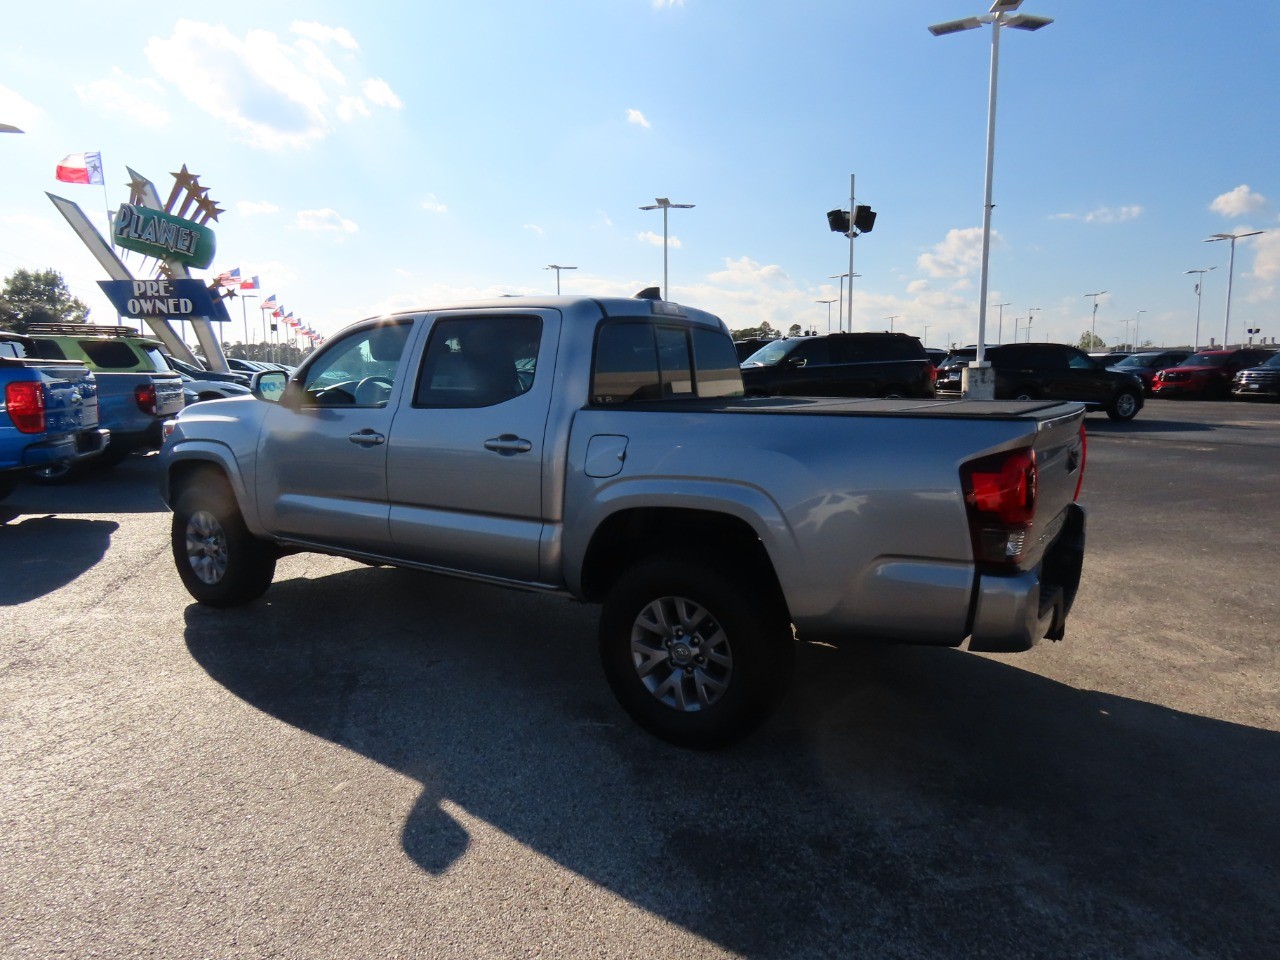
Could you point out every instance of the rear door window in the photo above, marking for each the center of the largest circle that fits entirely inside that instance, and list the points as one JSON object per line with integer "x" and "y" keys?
{"x": 638, "y": 361}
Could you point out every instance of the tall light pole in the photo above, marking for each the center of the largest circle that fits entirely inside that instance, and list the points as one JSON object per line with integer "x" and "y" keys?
{"x": 924, "y": 341}
{"x": 1030, "y": 315}
{"x": 828, "y": 303}
{"x": 1000, "y": 327}
{"x": 663, "y": 204}
{"x": 1000, "y": 15}
{"x": 1231, "y": 269}
{"x": 557, "y": 268}
{"x": 840, "y": 318}
{"x": 1199, "y": 283}
{"x": 1135, "y": 346}
{"x": 1093, "y": 335}
{"x": 891, "y": 319}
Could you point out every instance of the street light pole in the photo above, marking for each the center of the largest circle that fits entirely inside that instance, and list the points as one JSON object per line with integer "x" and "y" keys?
{"x": 663, "y": 204}
{"x": 924, "y": 341}
{"x": 891, "y": 319}
{"x": 828, "y": 303}
{"x": 557, "y": 268}
{"x": 1000, "y": 326}
{"x": 1199, "y": 283}
{"x": 1231, "y": 269}
{"x": 1137, "y": 324}
{"x": 1093, "y": 335}
{"x": 840, "y": 318}
{"x": 998, "y": 16}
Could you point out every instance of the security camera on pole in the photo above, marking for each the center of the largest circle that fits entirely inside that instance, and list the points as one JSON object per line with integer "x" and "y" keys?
{"x": 857, "y": 220}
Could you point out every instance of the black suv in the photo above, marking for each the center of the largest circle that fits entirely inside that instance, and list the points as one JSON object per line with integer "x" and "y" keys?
{"x": 841, "y": 365}
{"x": 1055, "y": 371}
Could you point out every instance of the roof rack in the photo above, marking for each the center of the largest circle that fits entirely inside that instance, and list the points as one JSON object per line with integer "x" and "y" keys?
{"x": 82, "y": 329}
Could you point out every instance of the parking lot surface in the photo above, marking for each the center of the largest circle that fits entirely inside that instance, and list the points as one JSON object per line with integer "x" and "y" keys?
{"x": 374, "y": 763}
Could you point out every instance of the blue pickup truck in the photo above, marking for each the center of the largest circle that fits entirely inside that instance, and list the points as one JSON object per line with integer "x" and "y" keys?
{"x": 49, "y": 415}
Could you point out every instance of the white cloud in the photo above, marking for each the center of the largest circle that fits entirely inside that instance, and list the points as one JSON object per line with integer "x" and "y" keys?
{"x": 380, "y": 93}
{"x": 534, "y": 228}
{"x": 638, "y": 118}
{"x": 648, "y": 236}
{"x": 956, "y": 256}
{"x": 1238, "y": 202}
{"x": 322, "y": 34}
{"x": 1266, "y": 256}
{"x": 254, "y": 208}
{"x": 325, "y": 221}
{"x": 351, "y": 107}
{"x": 275, "y": 94}
{"x": 659, "y": 4}
{"x": 136, "y": 100}
{"x": 1103, "y": 214}
{"x": 434, "y": 205}
{"x": 16, "y": 110}
{"x": 746, "y": 271}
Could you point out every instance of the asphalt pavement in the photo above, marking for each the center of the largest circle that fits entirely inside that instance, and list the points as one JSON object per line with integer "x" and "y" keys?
{"x": 375, "y": 763}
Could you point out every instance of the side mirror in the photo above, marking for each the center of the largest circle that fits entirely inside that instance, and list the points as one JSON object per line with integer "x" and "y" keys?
{"x": 269, "y": 385}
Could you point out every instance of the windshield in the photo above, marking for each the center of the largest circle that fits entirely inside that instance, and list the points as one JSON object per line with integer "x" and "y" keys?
{"x": 1273, "y": 362}
{"x": 1138, "y": 360}
{"x": 768, "y": 356}
{"x": 1206, "y": 360}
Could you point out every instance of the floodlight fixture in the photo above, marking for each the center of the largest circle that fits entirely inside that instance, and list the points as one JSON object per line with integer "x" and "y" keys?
{"x": 557, "y": 268}
{"x": 1231, "y": 269}
{"x": 664, "y": 204}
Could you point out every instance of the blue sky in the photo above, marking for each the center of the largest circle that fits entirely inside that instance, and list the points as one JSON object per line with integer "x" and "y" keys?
{"x": 380, "y": 156}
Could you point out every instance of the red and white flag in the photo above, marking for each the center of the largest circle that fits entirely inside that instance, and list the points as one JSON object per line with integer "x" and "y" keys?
{"x": 80, "y": 168}
{"x": 250, "y": 284}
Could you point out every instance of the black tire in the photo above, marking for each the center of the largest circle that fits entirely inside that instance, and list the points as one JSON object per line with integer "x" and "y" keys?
{"x": 1124, "y": 405}
{"x": 1025, "y": 393}
{"x": 53, "y": 474}
{"x": 695, "y": 656}
{"x": 221, "y": 564}
{"x": 895, "y": 392}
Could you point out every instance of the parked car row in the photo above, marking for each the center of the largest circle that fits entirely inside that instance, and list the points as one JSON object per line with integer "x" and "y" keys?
{"x": 134, "y": 386}
{"x": 1051, "y": 371}
{"x": 841, "y": 365}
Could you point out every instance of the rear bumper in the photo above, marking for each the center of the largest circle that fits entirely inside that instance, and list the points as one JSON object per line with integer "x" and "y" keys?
{"x": 1014, "y": 612}
{"x": 69, "y": 448}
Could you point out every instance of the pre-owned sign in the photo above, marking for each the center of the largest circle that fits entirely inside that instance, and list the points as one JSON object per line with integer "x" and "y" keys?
{"x": 163, "y": 298}
{"x": 163, "y": 235}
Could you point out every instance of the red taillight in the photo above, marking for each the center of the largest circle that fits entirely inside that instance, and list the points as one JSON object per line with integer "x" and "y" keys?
{"x": 1000, "y": 497}
{"x": 145, "y": 396}
{"x": 933, "y": 373}
{"x": 25, "y": 403}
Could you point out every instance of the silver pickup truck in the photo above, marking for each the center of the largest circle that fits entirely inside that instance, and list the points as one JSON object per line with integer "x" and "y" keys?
{"x": 603, "y": 449}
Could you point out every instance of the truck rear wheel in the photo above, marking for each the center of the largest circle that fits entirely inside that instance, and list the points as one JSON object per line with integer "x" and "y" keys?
{"x": 695, "y": 656}
{"x": 221, "y": 564}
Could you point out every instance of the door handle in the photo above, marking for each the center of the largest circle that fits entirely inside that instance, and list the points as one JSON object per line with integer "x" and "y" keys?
{"x": 508, "y": 444}
{"x": 367, "y": 438}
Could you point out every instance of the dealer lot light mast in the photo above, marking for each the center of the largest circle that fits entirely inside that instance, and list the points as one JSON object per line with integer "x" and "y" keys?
{"x": 1002, "y": 14}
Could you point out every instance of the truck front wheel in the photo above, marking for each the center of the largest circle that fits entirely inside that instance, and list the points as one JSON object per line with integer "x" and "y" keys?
{"x": 221, "y": 564}
{"x": 693, "y": 655}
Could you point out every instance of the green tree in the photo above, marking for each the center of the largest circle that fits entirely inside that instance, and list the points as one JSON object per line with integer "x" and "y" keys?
{"x": 793, "y": 330}
{"x": 38, "y": 296}
{"x": 1090, "y": 341}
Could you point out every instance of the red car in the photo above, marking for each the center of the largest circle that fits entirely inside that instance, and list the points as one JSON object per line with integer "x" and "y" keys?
{"x": 1206, "y": 374}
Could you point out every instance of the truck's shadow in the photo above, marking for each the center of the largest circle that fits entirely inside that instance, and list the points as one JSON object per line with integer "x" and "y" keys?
{"x": 904, "y": 803}
{"x": 42, "y": 554}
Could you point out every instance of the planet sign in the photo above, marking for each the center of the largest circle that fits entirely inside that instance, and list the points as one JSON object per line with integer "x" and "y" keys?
{"x": 163, "y": 236}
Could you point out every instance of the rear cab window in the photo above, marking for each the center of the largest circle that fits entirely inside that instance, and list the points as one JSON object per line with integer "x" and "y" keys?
{"x": 639, "y": 360}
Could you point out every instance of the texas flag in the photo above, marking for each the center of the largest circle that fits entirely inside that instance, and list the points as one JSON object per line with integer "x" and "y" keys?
{"x": 80, "y": 168}
{"x": 249, "y": 284}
